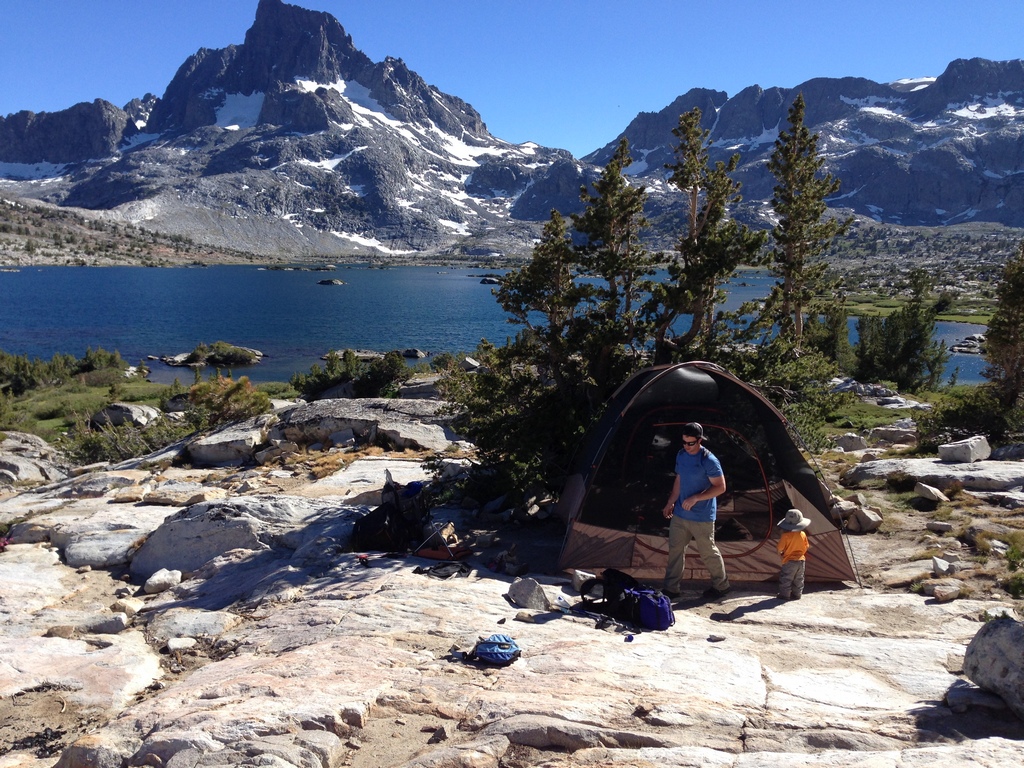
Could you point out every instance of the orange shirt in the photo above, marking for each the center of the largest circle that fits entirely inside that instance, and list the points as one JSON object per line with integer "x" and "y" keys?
{"x": 793, "y": 545}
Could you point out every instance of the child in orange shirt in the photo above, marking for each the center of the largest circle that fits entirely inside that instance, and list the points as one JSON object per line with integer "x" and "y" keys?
{"x": 793, "y": 550}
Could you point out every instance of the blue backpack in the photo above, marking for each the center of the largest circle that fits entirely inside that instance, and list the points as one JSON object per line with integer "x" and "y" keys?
{"x": 654, "y": 610}
{"x": 499, "y": 650}
{"x": 622, "y": 597}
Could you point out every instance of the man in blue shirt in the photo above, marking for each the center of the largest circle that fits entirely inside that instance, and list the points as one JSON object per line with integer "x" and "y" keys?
{"x": 692, "y": 508}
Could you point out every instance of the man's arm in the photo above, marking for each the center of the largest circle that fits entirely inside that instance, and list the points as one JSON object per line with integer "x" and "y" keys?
{"x": 667, "y": 511}
{"x": 716, "y": 488}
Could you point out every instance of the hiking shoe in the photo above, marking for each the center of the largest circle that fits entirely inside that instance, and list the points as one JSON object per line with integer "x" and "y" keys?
{"x": 796, "y": 597}
{"x": 782, "y": 597}
{"x": 671, "y": 594}
{"x": 714, "y": 594}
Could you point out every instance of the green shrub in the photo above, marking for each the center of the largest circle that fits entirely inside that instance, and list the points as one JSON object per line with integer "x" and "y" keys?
{"x": 280, "y": 389}
{"x": 382, "y": 377}
{"x": 54, "y": 409}
{"x": 103, "y": 377}
{"x": 1015, "y": 585}
{"x": 221, "y": 399}
{"x": 967, "y": 411}
{"x": 1014, "y": 557}
{"x": 900, "y": 482}
{"x": 83, "y": 444}
{"x": 338, "y": 369}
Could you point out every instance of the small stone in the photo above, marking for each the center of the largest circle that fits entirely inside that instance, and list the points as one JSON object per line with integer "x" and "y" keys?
{"x": 162, "y": 580}
{"x": 180, "y": 644}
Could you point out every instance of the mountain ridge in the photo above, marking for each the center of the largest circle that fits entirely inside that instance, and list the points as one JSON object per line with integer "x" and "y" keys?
{"x": 295, "y": 142}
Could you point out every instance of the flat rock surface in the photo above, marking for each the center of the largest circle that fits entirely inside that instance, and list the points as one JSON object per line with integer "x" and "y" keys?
{"x": 306, "y": 654}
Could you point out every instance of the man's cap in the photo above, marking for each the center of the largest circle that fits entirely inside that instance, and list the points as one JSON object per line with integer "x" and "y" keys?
{"x": 693, "y": 429}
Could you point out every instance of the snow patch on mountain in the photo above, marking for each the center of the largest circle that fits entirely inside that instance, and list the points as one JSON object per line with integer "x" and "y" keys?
{"x": 240, "y": 111}
{"x": 369, "y": 242}
{"x": 31, "y": 171}
{"x": 993, "y": 106}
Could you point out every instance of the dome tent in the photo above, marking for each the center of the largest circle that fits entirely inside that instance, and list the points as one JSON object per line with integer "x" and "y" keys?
{"x": 612, "y": 503}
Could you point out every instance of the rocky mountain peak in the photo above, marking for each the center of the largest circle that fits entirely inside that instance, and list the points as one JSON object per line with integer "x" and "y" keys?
{"x": 287, "y": 42}
{"x": 965, "y": 81}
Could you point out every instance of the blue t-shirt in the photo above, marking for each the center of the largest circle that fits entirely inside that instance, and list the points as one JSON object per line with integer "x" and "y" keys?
{"x": 694, "y": 471}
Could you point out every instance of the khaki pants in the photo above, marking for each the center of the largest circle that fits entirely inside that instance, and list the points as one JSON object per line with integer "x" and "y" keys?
{"x": 680, "y": 533}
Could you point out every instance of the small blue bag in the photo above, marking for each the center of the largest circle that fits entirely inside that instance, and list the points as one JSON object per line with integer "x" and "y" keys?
{"x": 500, "y": 650}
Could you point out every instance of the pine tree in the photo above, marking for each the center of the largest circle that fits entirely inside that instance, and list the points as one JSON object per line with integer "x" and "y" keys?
{"x": 901, "y": 348}
{"x": 802, "y": 233}
{"x": 611, "y": 332}
{"x": 709, "y": 249}
{"x": 1004, "y": 340}
{"x": 581, "y": 335}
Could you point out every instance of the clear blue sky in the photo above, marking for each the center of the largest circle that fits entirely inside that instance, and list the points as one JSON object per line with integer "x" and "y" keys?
{"x": 563, "y": 73}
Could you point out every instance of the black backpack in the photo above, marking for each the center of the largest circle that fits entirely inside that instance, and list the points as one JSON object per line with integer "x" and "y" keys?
{"x": 620, "y": 596}
{"x": 398, "y": 520}
{"x": 382, "y": 529}
{"x": 609, "y": 594}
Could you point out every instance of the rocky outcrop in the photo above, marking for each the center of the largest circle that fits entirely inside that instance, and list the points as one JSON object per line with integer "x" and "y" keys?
{"x": 300, "y": 653}
{"x": 245, "y": 629}
{"x": 232, "y": 444}
{"x": 405, "y": 423}
{"x": 118, "y": 414}
{"x": 28, "y": 460}
{"x": 979, "y": 476}
{"x": 83, "y": 132}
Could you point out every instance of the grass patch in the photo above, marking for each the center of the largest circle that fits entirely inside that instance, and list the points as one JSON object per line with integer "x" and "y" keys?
{"x": 857, "y": 416}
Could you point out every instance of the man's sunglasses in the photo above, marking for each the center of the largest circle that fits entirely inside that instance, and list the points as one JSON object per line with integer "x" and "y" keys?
{"x": 690, "y": 442}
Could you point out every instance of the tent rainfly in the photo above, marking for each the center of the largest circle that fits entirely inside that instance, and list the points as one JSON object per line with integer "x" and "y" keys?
{"x": 612, "y": 503}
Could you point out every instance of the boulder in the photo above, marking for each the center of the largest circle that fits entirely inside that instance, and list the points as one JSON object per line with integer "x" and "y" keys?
{"x": 27, "y": 459}
{"x": 978, "y": 476}
{"x": 118, "y": 414}
{"x": 929, "y": 493}
{"x": 965, "y": 451}
{"x": 161, "y": 581}
{"x": 177, "y": 404}
{"x": 851, "y": 442}
{"x": 893, "y": 434}
{"x": 192, "y": 537}
{"x": 994, "y": 661}
{"x": 102, "y": 549}
{"x": 864, "y": 520}
{"x": 233, "y": 444}
{"x": 412, "y": 423}
{"x": 421, "y": 387}
{"x": 527, "y": 593}
{"x": 1014, "y": 452}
